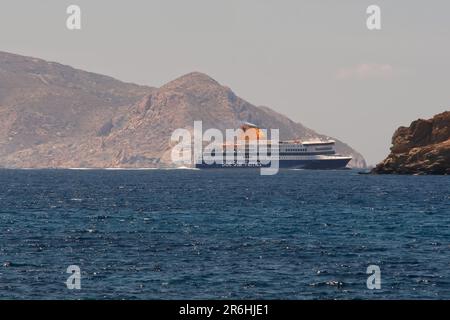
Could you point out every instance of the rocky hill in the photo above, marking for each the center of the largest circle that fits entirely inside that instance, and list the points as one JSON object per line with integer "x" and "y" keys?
{"x": 43, "y": 103}
{"x": 421, "y": 148}
{"x": 55, "y": 116}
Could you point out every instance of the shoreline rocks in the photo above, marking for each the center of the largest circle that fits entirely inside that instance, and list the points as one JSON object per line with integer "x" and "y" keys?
{"x": 421, "y": 148}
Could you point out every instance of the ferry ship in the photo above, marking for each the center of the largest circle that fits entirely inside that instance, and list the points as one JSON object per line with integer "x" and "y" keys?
{"x": 292, "y": 154}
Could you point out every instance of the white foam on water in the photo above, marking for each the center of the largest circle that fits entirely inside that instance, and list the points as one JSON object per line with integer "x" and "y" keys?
{"x": 129, "y": 169}
{"x": 185, "y": 168}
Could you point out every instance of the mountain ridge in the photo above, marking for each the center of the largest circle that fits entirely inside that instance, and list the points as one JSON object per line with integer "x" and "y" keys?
{"x": 57, "y": 116}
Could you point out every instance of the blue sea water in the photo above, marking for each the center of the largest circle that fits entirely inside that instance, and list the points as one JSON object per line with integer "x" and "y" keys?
{"x": 186, "y": 234}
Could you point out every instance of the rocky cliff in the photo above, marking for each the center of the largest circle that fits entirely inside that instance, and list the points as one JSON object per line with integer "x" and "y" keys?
{"x": 421, "y": 148}
{"x": 56, "y": 116}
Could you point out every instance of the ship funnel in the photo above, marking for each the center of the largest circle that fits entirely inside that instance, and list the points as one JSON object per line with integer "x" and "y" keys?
{"x": 251, "y": 132}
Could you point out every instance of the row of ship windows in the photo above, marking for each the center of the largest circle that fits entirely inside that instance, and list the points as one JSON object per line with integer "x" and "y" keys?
{"x": 293, "y": 150}
{"x": 324, "y": 148}
{"x": 282, "y": 153}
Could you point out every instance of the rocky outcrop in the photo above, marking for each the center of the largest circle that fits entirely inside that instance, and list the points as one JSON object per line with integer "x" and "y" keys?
{"x": 421, "y": 148}
{"x": 55, "y": 116}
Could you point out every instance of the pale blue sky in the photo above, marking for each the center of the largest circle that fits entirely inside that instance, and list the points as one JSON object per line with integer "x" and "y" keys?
{"x": 314, "y": 61}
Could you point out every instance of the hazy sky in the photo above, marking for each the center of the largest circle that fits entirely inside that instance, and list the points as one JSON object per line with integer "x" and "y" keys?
{"x": 314, "y": 61}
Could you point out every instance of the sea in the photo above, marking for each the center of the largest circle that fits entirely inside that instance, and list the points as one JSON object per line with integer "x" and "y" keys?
{"x": 223, "y": 234}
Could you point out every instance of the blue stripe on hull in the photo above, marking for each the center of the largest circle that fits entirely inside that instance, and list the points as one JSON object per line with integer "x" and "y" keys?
{"x": 287, "y": 164}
